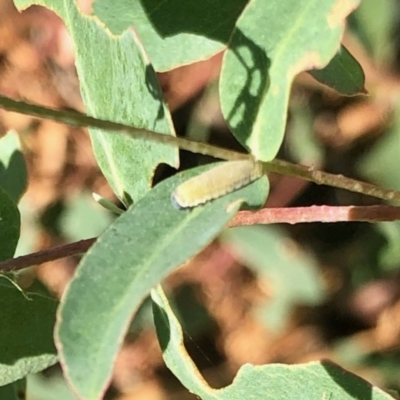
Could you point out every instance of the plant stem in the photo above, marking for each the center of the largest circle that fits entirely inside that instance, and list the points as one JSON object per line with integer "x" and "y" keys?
{"x": 325, "y": 178}
{"x": 75, "y": 118}
{"x": 298, "y": 215}
{"x": 293, "y": 215}
{"x": 40, "y": 257}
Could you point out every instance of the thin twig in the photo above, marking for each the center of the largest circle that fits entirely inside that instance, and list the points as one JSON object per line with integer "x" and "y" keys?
{"x": 55, "y": 253}
{"x": 295, "y": 215}
{"x": 325, "y": 178}
{"x": 75, "y": 118}
{"x": 298, "y": 215}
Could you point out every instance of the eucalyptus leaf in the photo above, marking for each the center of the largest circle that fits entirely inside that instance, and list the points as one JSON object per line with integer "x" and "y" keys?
{"x": 272, "y": 43}
{"x": 322, "y": 380}
{"x": 138, "y": 250}
{"x": 26, "y": 337}
{"x": 343, "y": 74}
{"x": 9, "y": 392}
{"x": 174, "y": 32}
{"x": 117, "y": 84}
{"x": 10, "y": 225}
{"x": 13, "y": 173}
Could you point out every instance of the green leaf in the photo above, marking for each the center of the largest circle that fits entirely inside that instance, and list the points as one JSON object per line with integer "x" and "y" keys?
{"x": 174, "y": 32}
{"x": 13, "y": 174}
{"x": 170, "y": 337}
{"x": 26, "y": 337}
{"x": 293, "y": 274}
{"x": 10, "y": 225}
{"x": 27, "y": 242}
{"x": 272, "y": 43}
{"x": 48, "y": 387}
{"x": 138, "y": 250}
{"x": 374, "y": 23}
{"x": 11, "y": 392}
{"x": 83, "y": 218}
{"x": 389, "y": 254}
{"x": 117, "y": 84}
{"x": 380, "y": 163}
{"x": 194, "y": 316}
{"x": 316, "y": 380}
{"x": 301, "y": 142}
{"x": 107, "y": 204}
{"x": 343, "y": 73}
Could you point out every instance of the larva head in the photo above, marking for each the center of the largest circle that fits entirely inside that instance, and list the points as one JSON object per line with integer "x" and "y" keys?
{"x": 175, "y": 201}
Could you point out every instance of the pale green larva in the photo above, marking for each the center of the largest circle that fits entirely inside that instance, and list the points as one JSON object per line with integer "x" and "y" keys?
{"x": 216, "y": 182}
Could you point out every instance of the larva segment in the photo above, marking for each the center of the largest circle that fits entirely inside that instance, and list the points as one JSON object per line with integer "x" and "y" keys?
{"x": 216, "y": 182}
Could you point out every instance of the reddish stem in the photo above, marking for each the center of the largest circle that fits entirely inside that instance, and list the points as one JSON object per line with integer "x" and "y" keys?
{"x": 18, "y": 263}
{"x": 297, "y": 215}
{"x": 293, "y": 215}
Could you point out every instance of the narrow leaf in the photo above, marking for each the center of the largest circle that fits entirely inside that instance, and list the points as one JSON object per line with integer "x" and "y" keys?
{"x": 117, "y": 84}
{"x": 9, "y": 392}
{"x": 26, "y": 337}
{"x": 13, "y": 174}
{"x": 316, "y": 380}
{"x": 141, "y": 248}
{"x": 10, "y": 224}
{"x": 170, "y": 337}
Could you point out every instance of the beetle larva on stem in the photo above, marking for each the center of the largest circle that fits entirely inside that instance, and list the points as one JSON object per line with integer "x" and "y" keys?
{"x": 216, "y": 182}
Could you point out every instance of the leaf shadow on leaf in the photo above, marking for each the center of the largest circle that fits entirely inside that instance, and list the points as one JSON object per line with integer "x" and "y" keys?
{"x": 172, "y": 17}
{"x": 348, "y": 381}
{"x": 256, "y": 64}
{"x": 154, "y": 89}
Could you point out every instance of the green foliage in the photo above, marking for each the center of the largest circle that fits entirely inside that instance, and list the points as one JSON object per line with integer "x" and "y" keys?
{"x": 373, "y": 23}
{"x": 121, "y": 87}
{"x": 343, "y": 73}
{"x": 259, "y": 67}
{"x": 13, "y": 175}
{"x": 316, "y": 380}
{"x": 380, "y": 163}
{"x": 173, "y": 32}
{"x": 172, "y": 236}
{"x": 82, "y": 218}
{"x": 268, "y": 43}
{"x": 9, "y": 226}
{"x": 14, "y": 391}
{"x": 292, "y": 274}
{"x": 50, "y": 388}
{"x": 26, "y": 339}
